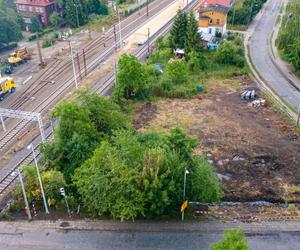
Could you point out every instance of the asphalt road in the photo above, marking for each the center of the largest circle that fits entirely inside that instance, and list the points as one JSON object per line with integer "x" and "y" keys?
{"x": 260, "y": 53}
{"x": 135, "y": 236}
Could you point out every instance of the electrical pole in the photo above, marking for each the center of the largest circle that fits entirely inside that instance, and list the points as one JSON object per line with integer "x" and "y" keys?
{"x": 2, "y": 123}
{"x": 40, "y": 52}
{"x": 148, "y": 41}
{"x": 147, "y": 7}
{"x": 76, "y": 9}
{"x": 115, "y": 53}
{"x": 78, "y": 63}
{"x": 39, "y": 178}
{"x": 250, "y": 16}
{"x": 298, "y": 118}
{"x": 24, "y": 195}
{"x": 73, "y": 65}
{"x": 84, "y": 62}
{"x": 120, "y": 29}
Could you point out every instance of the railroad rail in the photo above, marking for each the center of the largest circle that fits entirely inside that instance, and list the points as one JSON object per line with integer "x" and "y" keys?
{"x": 102, "y": 87}
{"x": 68, "y": 81}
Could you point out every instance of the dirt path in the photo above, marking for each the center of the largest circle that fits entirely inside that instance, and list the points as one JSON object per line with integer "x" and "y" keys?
{"x": 255, "y": 152}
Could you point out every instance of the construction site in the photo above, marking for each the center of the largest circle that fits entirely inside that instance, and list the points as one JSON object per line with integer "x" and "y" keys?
{"x": 254, "y": 150}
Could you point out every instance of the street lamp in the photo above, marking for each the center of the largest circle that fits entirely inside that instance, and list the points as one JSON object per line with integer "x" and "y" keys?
{"x": 186, "y": 172}
{"x": 30, "y": 147}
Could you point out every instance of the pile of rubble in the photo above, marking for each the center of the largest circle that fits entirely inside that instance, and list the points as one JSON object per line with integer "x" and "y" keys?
{"x": 250, "y": 95}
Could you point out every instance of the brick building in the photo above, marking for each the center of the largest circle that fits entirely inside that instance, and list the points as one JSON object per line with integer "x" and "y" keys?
{"x": 39, "y": 8}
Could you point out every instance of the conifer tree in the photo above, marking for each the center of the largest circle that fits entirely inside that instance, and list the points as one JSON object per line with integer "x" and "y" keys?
{"x": 178, "y": 32}
{"x": 192, "y": 42}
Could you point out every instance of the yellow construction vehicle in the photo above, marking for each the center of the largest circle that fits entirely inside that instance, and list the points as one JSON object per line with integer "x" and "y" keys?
{"x": 7, "y": 85}
{"x": 19, "y": 56}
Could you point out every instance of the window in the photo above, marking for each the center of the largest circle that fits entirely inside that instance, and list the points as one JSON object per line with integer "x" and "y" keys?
{"x": 218, "y": 21}
{"x": 210, "y": 30}
{"x": 210, "y": 21}
{"x": 30, "y": 8}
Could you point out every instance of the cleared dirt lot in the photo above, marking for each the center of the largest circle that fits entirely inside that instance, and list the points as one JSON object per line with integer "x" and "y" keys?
{"x": 255, "y": 151}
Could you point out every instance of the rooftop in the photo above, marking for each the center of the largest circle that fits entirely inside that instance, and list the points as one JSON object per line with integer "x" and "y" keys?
{"x": 35, "y": 2}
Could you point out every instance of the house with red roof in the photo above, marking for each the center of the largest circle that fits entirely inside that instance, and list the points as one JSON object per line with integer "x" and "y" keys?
{"x": 39, "y": 8}
{"x": 212, "y": 16}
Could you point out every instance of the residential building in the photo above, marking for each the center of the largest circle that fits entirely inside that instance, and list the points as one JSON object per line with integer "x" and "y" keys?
{"x": 39, "y": 8}
{"x": 212, "y": 16}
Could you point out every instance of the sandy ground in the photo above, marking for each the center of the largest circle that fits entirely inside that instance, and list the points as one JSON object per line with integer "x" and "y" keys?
{"x": 255, "y": 151}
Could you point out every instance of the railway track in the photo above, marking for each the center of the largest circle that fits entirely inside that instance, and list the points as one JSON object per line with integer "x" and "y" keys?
{"x": 102, "y": 87}
{"x": 60, "y": 77}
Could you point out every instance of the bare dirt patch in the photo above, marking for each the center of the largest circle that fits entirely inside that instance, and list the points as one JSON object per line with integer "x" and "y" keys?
{"x": 255, "y": 151}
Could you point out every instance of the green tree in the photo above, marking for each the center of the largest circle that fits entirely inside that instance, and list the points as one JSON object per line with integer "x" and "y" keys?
{"x": 82, "y": 125}
{"x": 178, "y": 33}
{"x": 176, "y": 71}
{"x": 35, "y": 25}
{"x": 294, "y": 55}
{"x": 193, "y": 38}
{"x": 131, "y": 79}
{"x": 141, "y": 175}
{"x": 9, "y": 29}
{"x": 55, "y": 19}
{"x": 75, "y": 138}
{"x": 52, "y": 181}
{"x": 228, "y": 53}
{"x": 234, "y": 239}
{"x": 72, "y": 7}
{"x": 103, "y": 9}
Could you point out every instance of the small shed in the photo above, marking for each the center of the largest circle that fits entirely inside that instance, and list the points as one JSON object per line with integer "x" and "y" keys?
{"x": 179, "y": 53}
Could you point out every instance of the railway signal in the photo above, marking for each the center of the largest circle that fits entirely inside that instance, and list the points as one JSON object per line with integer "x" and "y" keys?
{"x": 63, "y": 193}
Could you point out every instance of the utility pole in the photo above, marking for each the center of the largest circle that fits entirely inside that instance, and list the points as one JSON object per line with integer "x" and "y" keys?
{"x": 24, "y": 195}
{"x": 76, "y": 9}
{"x": 147, "y": 7}
{"x": 250, "y": 16}
{"x": 233, "y": 16}
{"x": 298, "y": 118}
{"x": 40, "y": 52}
{"x": 115, "y": 53}
{"x": 120, "y": 29}
{"x": 148, "y": 41}
{"x": 2, "y": 123}
{"x": 78, "y": 63}
{"x": 39, "y": 178}
{"x": 84, "y": 62}
{"x": 73, "y": 65}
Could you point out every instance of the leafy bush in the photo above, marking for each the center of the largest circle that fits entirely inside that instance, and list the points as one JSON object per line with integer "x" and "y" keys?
{"x": 32, "y": 37}
{"x": 228, "y": 53}
{"x": 233, "y": 240}
{"x": 82, "y": 126}
{"x": 141, "y": 175}
{"x": 176, "y": 71}
{"x": 47, "y": 43}
{"x": 132, "y": 79}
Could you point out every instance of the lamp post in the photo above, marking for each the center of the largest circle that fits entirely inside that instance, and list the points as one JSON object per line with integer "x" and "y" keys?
{"x": 24, "y": 195}
{"x": 186, "y": 172}
{"x": 30, "y": 147}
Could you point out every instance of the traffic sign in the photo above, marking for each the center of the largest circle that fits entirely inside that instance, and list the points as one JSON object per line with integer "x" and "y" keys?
{"x": 184, "y": 206}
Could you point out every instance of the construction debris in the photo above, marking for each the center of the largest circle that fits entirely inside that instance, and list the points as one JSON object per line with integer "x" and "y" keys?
{"x": 258, "y": 103}
{"x": 248, "y": 95}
